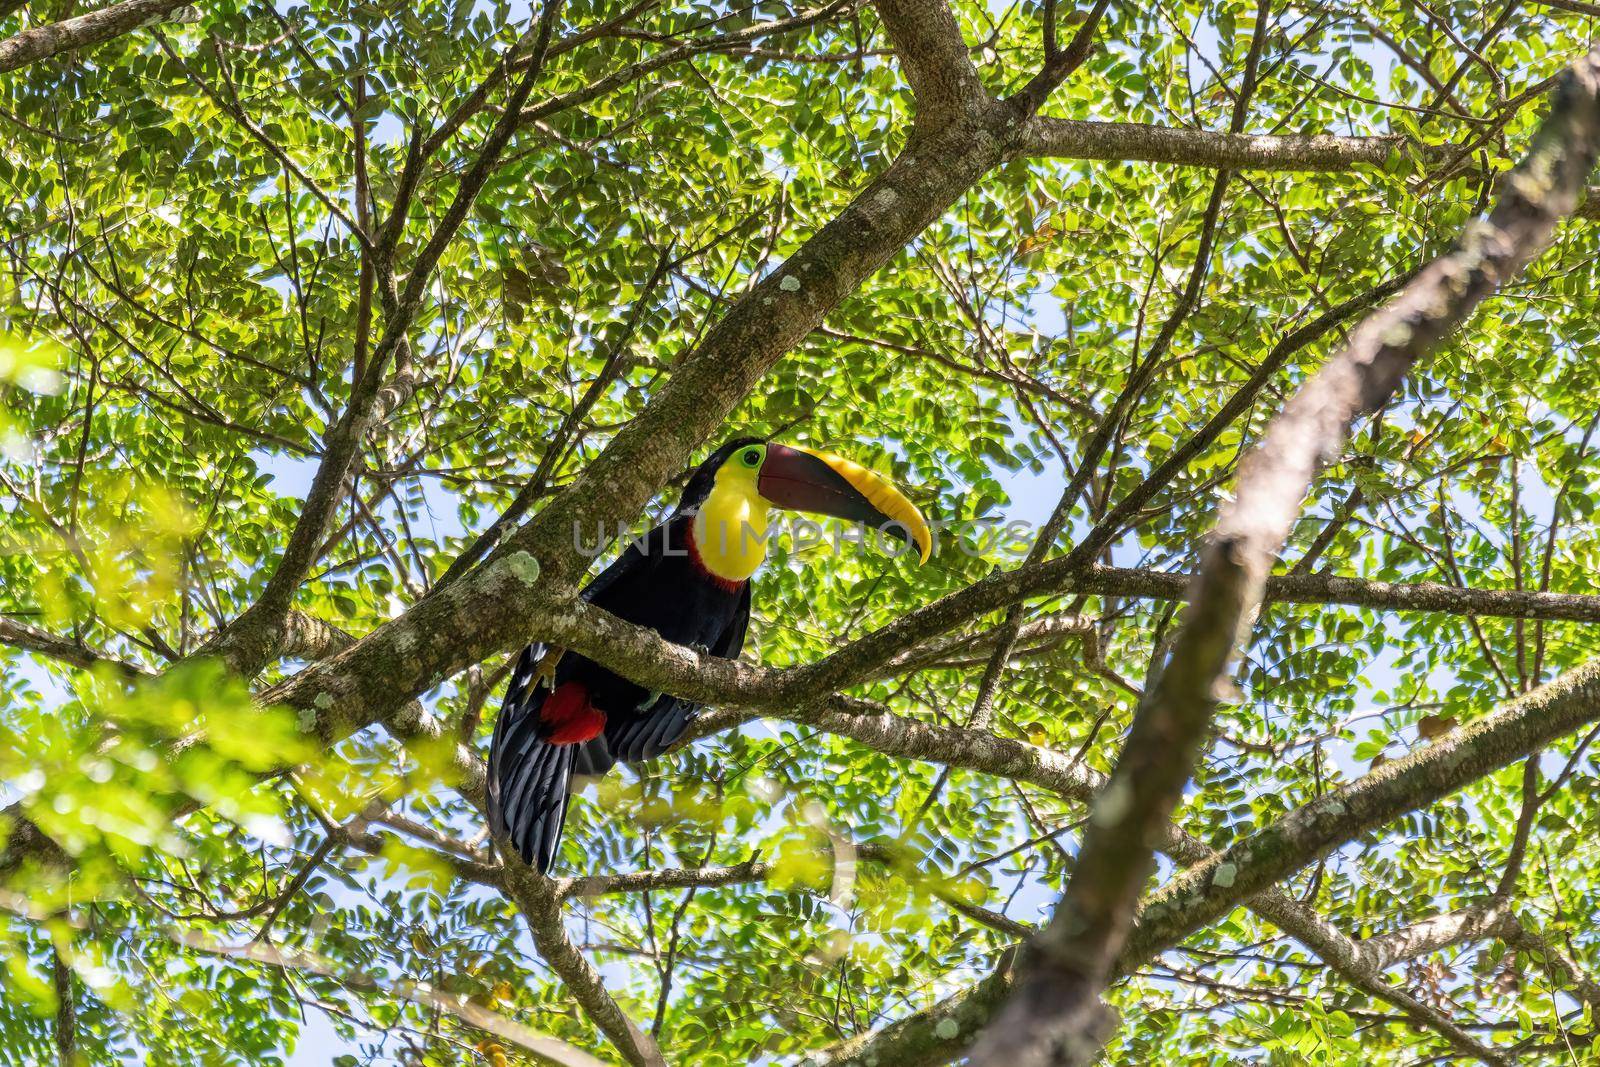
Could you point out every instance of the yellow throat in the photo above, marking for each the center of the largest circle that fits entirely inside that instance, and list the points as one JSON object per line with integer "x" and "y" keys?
{"x": 730, "y": 532}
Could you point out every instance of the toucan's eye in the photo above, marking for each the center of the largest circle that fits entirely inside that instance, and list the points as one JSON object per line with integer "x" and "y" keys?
{"x": 752, "y": 457}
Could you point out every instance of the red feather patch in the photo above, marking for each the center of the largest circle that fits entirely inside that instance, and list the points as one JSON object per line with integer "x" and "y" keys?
{"x": 568, "y": 717}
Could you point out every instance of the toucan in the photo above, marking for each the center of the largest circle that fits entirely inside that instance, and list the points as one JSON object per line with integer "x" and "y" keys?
{"x": 688, "y": 579}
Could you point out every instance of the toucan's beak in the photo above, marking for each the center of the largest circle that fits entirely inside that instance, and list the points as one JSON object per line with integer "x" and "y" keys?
{"x": 824, "y": 484}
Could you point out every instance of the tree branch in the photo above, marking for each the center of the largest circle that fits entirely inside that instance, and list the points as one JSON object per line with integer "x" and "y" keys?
{"x": 1433, "y": 934}
{"x": 1046, "y": 135}
{"x": 339, "y": 699}
{"x": 555, "y": 449}
{"x": 66, "y": 1021}
{"x": 536, "y": 897}
{"x": 1555, "y": 960}
{"x": 114, "y": 20}
{"x": 537, "y": 567}
{"x": 737, "y": 41}
{"x": 33, "y": 639}
{"x": 347, "y": 692}
{"x": 1359, "y": 592}
{"x": 921, "y": 1039}
{"x": 1059, "y": 65}
{"x": 934, "y": 59}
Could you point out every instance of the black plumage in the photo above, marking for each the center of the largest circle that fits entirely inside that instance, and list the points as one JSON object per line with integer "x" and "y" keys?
{"x": 656, "y": 582}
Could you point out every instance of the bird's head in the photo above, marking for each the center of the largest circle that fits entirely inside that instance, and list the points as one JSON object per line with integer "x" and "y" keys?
{"x": 800, "y": 479}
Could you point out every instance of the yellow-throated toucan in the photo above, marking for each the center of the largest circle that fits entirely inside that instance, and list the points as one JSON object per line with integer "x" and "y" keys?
{"x": 689, "y": 580}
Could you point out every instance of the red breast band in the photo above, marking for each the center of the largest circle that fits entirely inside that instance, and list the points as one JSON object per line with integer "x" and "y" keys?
{"x": 730, "y": 585}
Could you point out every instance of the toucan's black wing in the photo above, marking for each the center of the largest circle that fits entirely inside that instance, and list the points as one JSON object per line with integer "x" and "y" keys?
{"x": 732, "y": 642}
{"x": 634, "y": 562}
{"x": 647, "y": 735}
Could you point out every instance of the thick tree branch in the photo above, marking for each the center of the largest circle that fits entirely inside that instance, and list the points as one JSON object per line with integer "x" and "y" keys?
{"x": 66, "y": 1021}
{"x": 1059, "y": 64}
{"x": 307, "y": 637}
{"x": 1426, "y": 597}
{"x": 1434, "y": 934}
{"x": 1579, "y": 7}
{"x": 934, "y": 59}
{"x": 1046, "y": 135}
{"x": 343, "y": 696}
{"x": 645, "y": 658}
{"x": 114, "y": 20}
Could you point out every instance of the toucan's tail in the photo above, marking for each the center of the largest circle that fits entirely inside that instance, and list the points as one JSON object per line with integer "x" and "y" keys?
{"x": 530, "y": 760}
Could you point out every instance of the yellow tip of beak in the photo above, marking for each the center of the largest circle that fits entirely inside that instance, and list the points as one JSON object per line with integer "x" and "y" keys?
{"x": 881, "y": 494}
